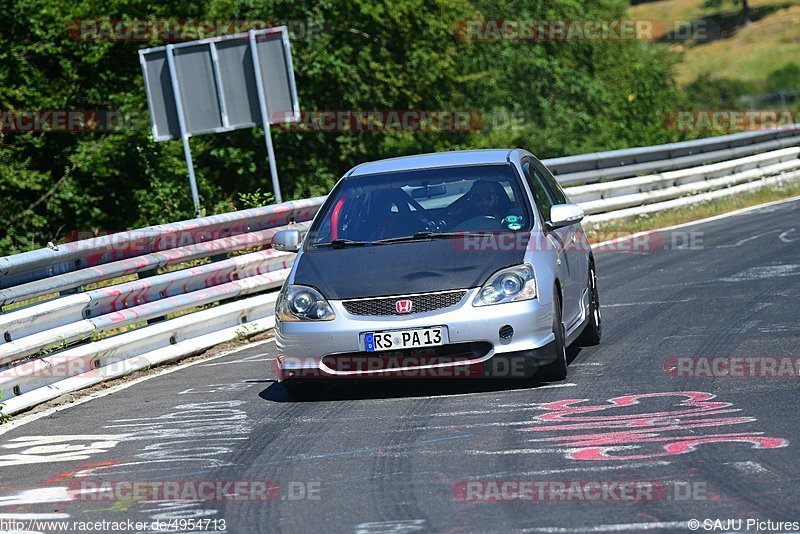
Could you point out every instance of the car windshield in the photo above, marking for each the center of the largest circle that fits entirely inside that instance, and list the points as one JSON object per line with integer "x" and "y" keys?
{"x": 486, "y": 198}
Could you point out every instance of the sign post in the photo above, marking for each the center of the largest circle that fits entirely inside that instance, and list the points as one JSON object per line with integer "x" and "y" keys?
{"x": 218, "y": 85}
{"x": 262, "y": 107}
{"x": 187, "y": 151}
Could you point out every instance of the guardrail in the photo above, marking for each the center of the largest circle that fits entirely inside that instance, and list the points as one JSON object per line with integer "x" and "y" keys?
{"x": 603, "y": 166}
{"x": 656, "y": 192}
{"x": 79, "y": 313}
{"x": 54, "y": 315}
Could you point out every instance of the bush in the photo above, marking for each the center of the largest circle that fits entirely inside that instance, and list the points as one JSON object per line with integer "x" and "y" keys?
{"x": 711, "y": 93}
{"x": 785, "y": 78}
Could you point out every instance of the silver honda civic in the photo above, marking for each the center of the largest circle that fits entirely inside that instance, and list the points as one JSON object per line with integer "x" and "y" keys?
{"x": 455, "y": 264}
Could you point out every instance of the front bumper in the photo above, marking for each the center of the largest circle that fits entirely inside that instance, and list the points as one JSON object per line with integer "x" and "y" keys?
{"x": 475, "y": 347}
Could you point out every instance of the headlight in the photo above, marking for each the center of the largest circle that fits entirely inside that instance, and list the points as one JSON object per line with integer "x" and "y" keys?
{"x": 509, "y": 285}
{"x": 303, "y": 303}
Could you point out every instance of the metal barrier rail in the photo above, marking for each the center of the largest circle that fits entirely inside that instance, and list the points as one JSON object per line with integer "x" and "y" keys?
{"x": 70, "y": 257}
{"x": 601, "y": 166}
{"x": 640, "y": 191}
{"x": 56, "y": 313}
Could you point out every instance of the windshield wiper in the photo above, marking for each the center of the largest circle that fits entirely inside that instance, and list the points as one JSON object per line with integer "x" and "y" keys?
{"x": 420, "y": 236}
{"x": 341, "y": 243}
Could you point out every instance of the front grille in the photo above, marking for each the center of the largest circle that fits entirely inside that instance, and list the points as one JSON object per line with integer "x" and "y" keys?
{"x": 420, "y": 303}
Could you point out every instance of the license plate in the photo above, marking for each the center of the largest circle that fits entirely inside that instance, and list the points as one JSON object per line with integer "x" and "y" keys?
{"x": 404, "y": 339}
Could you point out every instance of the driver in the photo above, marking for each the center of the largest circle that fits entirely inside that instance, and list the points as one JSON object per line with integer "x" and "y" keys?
{"x": 484, "y": 200}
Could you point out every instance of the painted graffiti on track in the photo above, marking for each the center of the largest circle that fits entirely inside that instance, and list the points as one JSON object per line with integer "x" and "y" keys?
{"x": 624, "y": 428}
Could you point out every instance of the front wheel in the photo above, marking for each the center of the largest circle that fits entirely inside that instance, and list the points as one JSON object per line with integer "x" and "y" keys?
{"x": 553, "y": 372}
{"x": 593, "y": 330}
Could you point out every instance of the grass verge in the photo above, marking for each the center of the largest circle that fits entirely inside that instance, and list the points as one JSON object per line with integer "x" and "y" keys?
{"x": 695, "y": 212}
{"x": 733, "y": 50}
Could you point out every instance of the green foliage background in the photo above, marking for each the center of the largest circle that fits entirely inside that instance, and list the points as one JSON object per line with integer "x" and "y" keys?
{"x": 573, "y": 97}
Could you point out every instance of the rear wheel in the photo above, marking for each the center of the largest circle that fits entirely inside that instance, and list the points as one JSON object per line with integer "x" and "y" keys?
{"x": 593, "y": 330}
{"x": 557, "y": 370}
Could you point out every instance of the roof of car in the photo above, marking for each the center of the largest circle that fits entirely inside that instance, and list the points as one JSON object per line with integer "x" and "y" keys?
{"x": 438, "y": 159}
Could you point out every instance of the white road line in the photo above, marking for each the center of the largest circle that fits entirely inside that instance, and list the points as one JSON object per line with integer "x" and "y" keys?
{"x": 617, "y": 527}
{"x": 748, "y": 467}
{"x": 516, "y": 451}
{"x": 748, "y": 239}
{"x": 25, "y": 419}
{"x": 23, "y": 517}
{"x": 37, "y": 496}
{"x": 548, "y": 386}
{"x": 764, "y": 273}
{"x": 249, "y": 359}
{"x": 651, "y": 303}
{"x": 701, "y": 221}
{"x": 785, "y": 236}
{"x": 508, "y": 409}
{"x": 633, "y": 465}
{"x": 478, "y": 425}
{"x": 597, "y": 468}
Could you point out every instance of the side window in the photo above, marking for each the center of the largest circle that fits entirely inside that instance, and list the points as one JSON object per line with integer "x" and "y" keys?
{"x": 544, "y": 199}
{"x": 556, "y": 192}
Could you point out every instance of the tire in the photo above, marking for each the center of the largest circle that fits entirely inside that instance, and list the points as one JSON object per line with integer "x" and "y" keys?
{"x": 553, "y": 372}
{"x": 593, "y": 330}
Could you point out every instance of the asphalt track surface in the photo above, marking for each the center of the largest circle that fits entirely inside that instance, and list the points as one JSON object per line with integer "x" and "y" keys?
{"x": 430, "y": 456}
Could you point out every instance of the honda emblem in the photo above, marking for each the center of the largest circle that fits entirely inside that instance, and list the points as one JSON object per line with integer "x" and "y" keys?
{"x": 403, "y": 306}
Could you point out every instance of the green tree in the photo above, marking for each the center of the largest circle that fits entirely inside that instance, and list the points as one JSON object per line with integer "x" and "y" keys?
{"x": 564, "y": 98}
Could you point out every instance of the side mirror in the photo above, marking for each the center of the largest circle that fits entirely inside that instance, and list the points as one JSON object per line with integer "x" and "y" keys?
{"x": 562, "y": 215}
{"x": 286, "y": 241}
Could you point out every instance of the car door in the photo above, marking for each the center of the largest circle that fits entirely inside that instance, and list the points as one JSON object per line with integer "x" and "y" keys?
{"x": 563, "y": 240}
{"x": 577, "y": 250}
